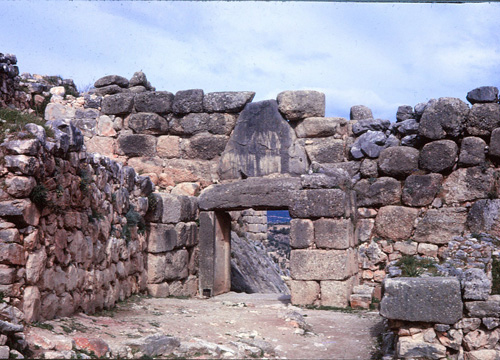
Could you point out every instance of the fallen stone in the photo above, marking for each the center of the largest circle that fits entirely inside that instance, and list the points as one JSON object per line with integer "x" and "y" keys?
{"x": 97, "y": 346}
{"x": 301, "y": 104}
{"x": 156, "y": 345}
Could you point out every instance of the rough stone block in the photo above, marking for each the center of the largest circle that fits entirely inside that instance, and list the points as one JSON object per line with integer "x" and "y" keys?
{"x": 420, "y": 190}
{"x": 111, "y": 80}
{"x": 176, "y": 265}
{"x": 476, "y": 285}
{"x": 158, "y": 290}
{"x": 147, "y": 123}
{"x": 156, "y": 268}
{"x": 203, "y": 146}
{"x": 398, "y": 161}
{"x": 410, "y": 347}
{"x": 360, "y": 112}
{"x": 168, "y": 146}
{"x": 484, "y": 216}
{"x": 380, "y": 192}
{"x": 116, "y": 104}
{"x": 433, "y": 299}
{"x": 481, "y": 309}
{"x": 483, "y": 118}
{"x": 364, "y": 229}
{"x": 438, "y": 156}
{"x": 439, "y": 226}
{"x": 483, "y": 94}
{"x": 395, "y": 222}
{"x": 443, "y": 117}
{"x": 323, "y": 264}
{"x": 318, "y": 203}
{"x": 230, "y": 102}
{"x": 7, "y": 275}
{"x": 429, "y": 250}
{"x": 301, "y": 233}
{"x": 35, "y": 265}
{"x": 468, "y": 184}
{"x": 11, "y": 253}
{"x": 336, "y": 293}
{"x": 360, "y": 301}
{"x": 154, "y": 101}
{"x": 298, "y": 105}
{"x": 321, "y": 127}
{"x": 406, "y": 248}
{"x": 494, "y": 149}
{"x": 326, "y": 150}
{"x": 472, "y": 151}
{"x": 175, "y": 208}
{"x": 161, "y": 238}
{"x": 333, "y": 233}
{"x": 188, "y": 101}
{"x": 304, "y": 292}
{"x": 22, "y": 164}
{"x": 137, "y": 145}
{"x": 31, "y": 304}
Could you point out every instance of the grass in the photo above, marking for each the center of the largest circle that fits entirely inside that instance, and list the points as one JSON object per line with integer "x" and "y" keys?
{"x": 14, "y": 121}
{"x": 414, "y": 267}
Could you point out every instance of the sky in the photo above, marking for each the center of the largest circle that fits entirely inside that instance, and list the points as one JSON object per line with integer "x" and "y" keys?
{"x": 381, "y": 55}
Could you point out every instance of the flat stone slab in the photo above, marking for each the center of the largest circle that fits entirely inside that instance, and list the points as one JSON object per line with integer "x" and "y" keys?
{"x": 431, "y": 299}
{"x": 256, "y": 193}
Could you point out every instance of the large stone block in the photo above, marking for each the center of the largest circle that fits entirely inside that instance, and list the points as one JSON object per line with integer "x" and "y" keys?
{"x": 301, "y": 104}
{"x": 483, "y": 94}
{"x": 323, "y": 264}
{"x": 156, "y": 268}
{"x": 420, "y": 190}
{"x": 176, "y": 265}
{"x": 494, "y": 149}
{"x": 31, "y": 304}
{"x": 147, "y": 123}
{"x": 483, "y": 118}
{"x": 321, "y": 127}
{"x": 484, "y": 216}
{"x": 256, "y": 193}
{"x": 203, "y": 146}
{"x": 438, "y": 156}
{"x": 325, "y": 150}
{"x": 301, "y": 233}
{"x": 360, "y": 112}
{"x": 395, "y": 222}
{"x": 111, "y": 80}
{"x": 333, "y": 233}
{"x": 137, "y": 144}
{"x": 262, "y": 143}
{"x": 231, "y": 101}
{"x": 443, "y": 117}
{"x": 171, "y": 209}
{"x": 380, "y": 192}
{"x": 439, "y": 226}
{"x": 116, "y": 104}
{"x": 336, "y": 293}
{"x": 188, "y": 101}
{"x": 472, "y": 151}
{"x": 398, "y": 161}
{"x": 431, "y": 299}
{"x": 168, "y": 146}
{"x": 154, "y": 101}
{"x": 468, "y": 184}
{"x": 415, "y": 347}
{"x": 161, "y": 238}
{"x": 21, "y": 212}
{"x": 319, "y": 203}
{"x": 482, "y": 309}
{"x": 304, "y": 292}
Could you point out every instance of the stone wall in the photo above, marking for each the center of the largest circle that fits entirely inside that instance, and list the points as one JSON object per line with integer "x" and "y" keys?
{"x": 10, "y": 94}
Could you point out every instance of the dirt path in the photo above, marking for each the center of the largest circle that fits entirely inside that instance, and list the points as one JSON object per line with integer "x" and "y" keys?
{"x": 227, "y": 326}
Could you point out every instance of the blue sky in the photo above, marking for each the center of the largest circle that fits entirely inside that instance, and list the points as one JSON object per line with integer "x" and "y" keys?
{"x": 379, "y": 54}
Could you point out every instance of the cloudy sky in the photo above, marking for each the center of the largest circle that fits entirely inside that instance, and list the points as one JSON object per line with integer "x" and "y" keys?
{"x": 378, "y": 54}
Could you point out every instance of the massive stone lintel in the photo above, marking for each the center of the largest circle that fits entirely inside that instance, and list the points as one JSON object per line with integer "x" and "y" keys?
{"x": 432, "y": 299}
{"x": 256, "y": 193}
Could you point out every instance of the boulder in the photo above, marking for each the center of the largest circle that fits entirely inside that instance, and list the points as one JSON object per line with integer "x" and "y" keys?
{"x": 395, "y": 222}
{"x": 443, "y": 117}
{"x": 420, "y": 190}
{"x": 154, "y": 101}
{"x": 148, "y": 123}
{"x": 111, "y": 80}
{"x": 398, "y": 161}
{"x": 321, "y": 127}
{"x": 360, "y": 112}
{"x": 137, "y": 144}
{"x": 482, "y": 119}
{"x": 116, "y": 104}
{"x": 230, "y": 102}
{"x": 380, "y": 192}
{"x": 362, "y": 126}
{"x": 431, "y": 299}
{"x": 301, "y": 104}
{"x": 404, "y": 112}
{"x": 188, "y": 101}
{"x": 483, "y": 94}
{"x": 438, "y": 156}
{"x": 472, "y": 151}
{"x": 439, "y": 226}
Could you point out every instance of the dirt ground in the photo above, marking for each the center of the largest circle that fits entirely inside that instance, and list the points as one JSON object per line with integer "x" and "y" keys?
{"x": 232, "y": 325}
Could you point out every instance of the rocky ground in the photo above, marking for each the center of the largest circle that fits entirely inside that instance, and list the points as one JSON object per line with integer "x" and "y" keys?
{"x": 228, "y": 326}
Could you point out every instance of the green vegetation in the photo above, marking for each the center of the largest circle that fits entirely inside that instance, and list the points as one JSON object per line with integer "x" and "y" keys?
{"x": 14, "y": 121}
{"x": 152, "y": 202}
{"x": 134, "y": 219}
{"x": 2, "y": 297}
{"x": 40, "y": 108}
{"x": 331, "y": 308}
{"x": 412, "y": 266}
{"x": 43, "y": 326}
{"x": 39, "y": 196}
{"x": 85, "y": 180}
{"x": 495, "y": 274}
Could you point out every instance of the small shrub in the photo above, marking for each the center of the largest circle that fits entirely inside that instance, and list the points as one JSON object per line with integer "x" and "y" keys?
{"x": 14, "y": 121}
{"x": 152, "y": 202}
{"x": 70, "y": 90}
{"x": 2, "y": 296}
{"x": 412, "y": 266}
{"x": 39, "y": 196}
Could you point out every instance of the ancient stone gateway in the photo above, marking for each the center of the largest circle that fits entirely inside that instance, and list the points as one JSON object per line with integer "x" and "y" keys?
{"x": 323, "y": 260}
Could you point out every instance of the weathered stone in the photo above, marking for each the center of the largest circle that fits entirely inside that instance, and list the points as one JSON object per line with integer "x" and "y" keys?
{"x": 336, "y": 178}
{"x": 301, "y": 233}
{"x": 111, "y": 80}
{"x": 406, "y": 248}
{"x": 301, "y": 104}
{"x": 188, "y": 101}
{"x": 7, "y": 275}
{"x": 325, "y": 150}
{"x": 35, "y": 265}
{"x": 137, "y": 144}
{"x": 333, "y": 233}
{"x": 369, "y": 168}
{"x": 322, "y": 264}
{"x": 21, "y": 212}
{"x": 439, "y": 226}
{"x": 484, "y": 354}
{"x": 411, "y": 140}
{"x": 255, "y": 193}
{"x": 491, "y": 322}
{"x": 155, "y": 345}
{"x": 432, "y": 299}
{"x": 304, "y": 292}
{"x": 398, "y": 161}
{"x": 19, "y": 186}
{"x": 468, "y": 184}
{"x": 370, "y": 144}
{"x": 438, "y": 156}
{"x": 443, "y": 117}
{"x": 231, "y": 101}
{"x": 407, "y": 127}
{"x": 22, "y": 147}
{"x": 383, "y": 191}
{"x": 364, "y": 229}
{"x": 22, "y": 164}
{"x": 475, "y": 340}
{"x": 483, "y": 94}
{"x": 161, "y": 238}
{"x": 109, "y": 90}
{"x": 336, "y": 293}
{"x": 475, "y": 284}
{"x": 404, "y": 112}
{"x": 122, "y": 103}
{"x": 262, "y": 143}
{"x": 362, "y": 126}
{"x": 148, "y": 123}
{"x": 203, "y": 146}
{"x": 429, "y": 250}
{"x": 409, "y": 347}
{"x": 395, "y": 222}
{"x": 472, "y": 151}
{"x": 154, "y": 101}
{"x": 482, "y": 119}
{"x": 158, "y": 290}
{"x": 168, "y": 146}
{"x": 481, "y": 309}
{"x": 31, "y": 304}
{"x": 468, "y": 324}
{"x": 484, "y": 216}
{"x": 420, "y": 190}
{"x": 321, "y": 127}
{"x": 360, "y": 112}
{"x": 318, "y": 203}
{"x": 176, "y": 265}
{"x": 105, "y": 126}
{"x": 138, "y": 79}
{"x": 98, "y": 346}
